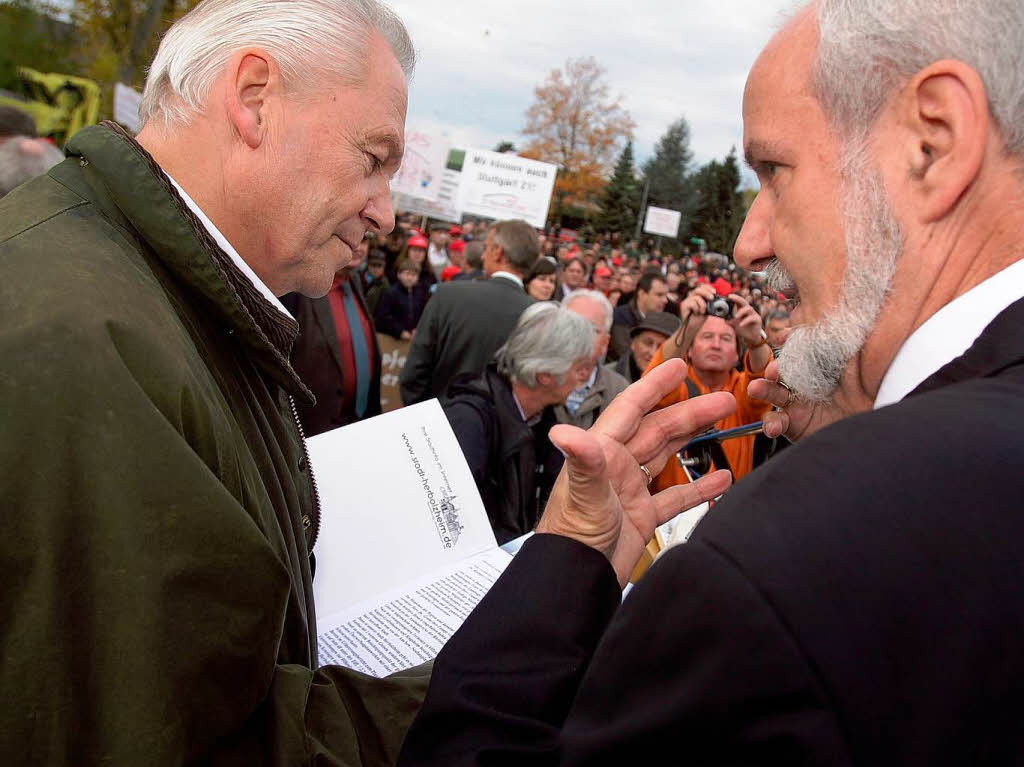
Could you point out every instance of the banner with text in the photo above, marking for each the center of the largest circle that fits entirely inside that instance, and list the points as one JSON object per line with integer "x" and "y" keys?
{"x": 422, "y": 166}
{"x": 506, "y": 186}
{"x": 393, "y": 355}
{"x": 445, "y": 206}
{"x": 662, "y": 221}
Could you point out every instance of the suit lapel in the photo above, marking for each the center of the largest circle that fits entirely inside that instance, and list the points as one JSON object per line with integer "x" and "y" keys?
{"x": 1000, "y": 345}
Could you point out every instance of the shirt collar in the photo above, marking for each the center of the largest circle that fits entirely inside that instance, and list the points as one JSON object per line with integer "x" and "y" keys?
{"x": 509, "y": 276}
{"x": 221, "y": 240}
{"x": 949, "y": 333}
{"x": 590, "y": 381}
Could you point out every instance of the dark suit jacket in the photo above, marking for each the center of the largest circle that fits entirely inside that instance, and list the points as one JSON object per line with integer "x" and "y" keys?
{"x": 317, "y": 359}
{"x": 859, "y": 600}
{"x": 624, "y": 320}
{"x": 464, "y": 324}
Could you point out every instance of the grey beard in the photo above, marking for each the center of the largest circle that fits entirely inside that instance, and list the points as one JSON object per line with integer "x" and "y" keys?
{"x": 814, "y": 356}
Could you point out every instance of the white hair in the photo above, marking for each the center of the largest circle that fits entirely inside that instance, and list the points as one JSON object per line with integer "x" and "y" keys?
{"x": 868, "y": 48}
{"x": 305, "y": 37}
{"x": 598, "y": 298}
{"x": 548, "y": 338}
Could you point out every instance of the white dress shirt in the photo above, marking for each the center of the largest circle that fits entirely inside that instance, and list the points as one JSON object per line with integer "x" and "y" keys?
{"x": 219, "y": 238}
{"x": 949, "y": 333}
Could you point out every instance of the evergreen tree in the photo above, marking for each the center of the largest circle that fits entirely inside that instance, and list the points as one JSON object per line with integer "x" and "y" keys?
{"x": 720, "y": 207}
{"x": 668, "y": 173}
{"x": 621, "y": 197}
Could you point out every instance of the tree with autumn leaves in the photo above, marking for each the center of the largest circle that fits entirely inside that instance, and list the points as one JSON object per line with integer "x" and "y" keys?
{"x": 576, "y": 124}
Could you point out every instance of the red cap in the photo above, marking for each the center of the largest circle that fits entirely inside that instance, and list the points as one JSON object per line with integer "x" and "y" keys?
{"x": 616, "y": 261}
{"x": 419, "y": 241}
{"x": 457, "y": 245}
{"x": 455, "y": 231}
{"x": 448, "y": 272}
{"x": 722, "y": 287}
{"x": 602, "y": 271}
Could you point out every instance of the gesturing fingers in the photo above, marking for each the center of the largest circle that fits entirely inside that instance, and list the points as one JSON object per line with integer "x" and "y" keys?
{"x": 677, "y": 498}
{"x": 677, "y": 424}
{"x": 623, "y": 416}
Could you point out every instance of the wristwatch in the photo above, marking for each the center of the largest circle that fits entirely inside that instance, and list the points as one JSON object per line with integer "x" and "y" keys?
{"x": 762, "y": 342}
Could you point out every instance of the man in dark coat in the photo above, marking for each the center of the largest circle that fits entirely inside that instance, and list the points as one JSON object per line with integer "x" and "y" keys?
{"x": 645, "y": 339}
{"x": 502, "y": 416}
{"x": 159, "y": 508}
{"x": 651, "y": 295}
{"x": 466, "y": 322}
{"x": 858, "y": 599}
{"x": 340, "y": 369}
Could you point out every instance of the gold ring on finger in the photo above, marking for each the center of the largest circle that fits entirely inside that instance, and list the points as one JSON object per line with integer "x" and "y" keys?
{"x": 647, "y": 471}
{"x": 790, "y": 398}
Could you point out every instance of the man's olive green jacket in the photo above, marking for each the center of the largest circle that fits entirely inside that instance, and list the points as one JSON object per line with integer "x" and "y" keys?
{"x": 156, "y": 509}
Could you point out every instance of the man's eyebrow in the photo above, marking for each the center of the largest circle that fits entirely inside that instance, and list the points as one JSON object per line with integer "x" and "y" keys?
{"x": 391, "y": 141}
{"x": 755, "y": 150}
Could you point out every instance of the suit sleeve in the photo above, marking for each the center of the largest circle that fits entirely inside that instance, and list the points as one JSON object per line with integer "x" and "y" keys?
{"x": 415, "y": 378}
{"x": 142, "y": 602}
{"x": 504, "y": 682}
{"x": 695, "y": 663}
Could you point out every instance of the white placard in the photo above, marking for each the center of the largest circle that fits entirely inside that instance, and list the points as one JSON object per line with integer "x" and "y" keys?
{"x": 422, "y": 167}
{"x": 505, "y": 186}
{"x": 126, "y": 106}
{"x": 662, "y": 221}
{"x": 444, "y": 207}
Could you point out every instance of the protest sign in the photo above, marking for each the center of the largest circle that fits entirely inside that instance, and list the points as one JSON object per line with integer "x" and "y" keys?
{"x": 444, "y": 207}
{"x": 423, "y": 166}
{"x": 505, "y": 186}
{"x": 126, "y": 106}
{"x": 662, "y": 221}
{"x": 393, "y": 355}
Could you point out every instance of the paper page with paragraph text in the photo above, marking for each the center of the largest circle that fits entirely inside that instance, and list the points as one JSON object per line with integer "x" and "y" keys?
{"x": 398, "y": 502}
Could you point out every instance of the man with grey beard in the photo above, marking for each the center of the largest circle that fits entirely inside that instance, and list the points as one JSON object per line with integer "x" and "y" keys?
{"x": 857, "y": 600}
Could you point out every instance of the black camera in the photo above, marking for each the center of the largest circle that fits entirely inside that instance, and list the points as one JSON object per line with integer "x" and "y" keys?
{"x": 720, "y": 307}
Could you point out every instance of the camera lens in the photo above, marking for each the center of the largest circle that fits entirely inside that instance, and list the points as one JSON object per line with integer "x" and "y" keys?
{"x": 720, "y": 307}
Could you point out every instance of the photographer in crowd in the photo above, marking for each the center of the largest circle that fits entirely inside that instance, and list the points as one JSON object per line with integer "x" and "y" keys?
{"x": 709, "y": 340}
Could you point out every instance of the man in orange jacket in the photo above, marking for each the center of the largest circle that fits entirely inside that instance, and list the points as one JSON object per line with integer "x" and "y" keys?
{"x": 710, "y": 346}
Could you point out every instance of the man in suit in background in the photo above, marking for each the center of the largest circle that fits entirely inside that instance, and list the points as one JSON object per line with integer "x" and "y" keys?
{"x": 466, "y": 322}
{"x": 336, "y": 353}
{"x": 651, "y": 296}
{"x": 858, "y": 599}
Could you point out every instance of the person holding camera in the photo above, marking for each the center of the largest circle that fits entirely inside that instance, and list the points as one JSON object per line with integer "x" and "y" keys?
{"x": 711, "y": 337}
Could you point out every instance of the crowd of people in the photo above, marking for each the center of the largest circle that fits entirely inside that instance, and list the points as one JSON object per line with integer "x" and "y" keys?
{"x": 180, "y": 308}
{"x": 635, "y": 301}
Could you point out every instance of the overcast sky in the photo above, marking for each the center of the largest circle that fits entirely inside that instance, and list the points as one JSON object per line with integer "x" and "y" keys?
{"x": 479, "y": 63}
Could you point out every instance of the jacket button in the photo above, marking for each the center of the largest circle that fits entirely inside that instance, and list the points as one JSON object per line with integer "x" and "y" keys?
{"x": 302, "y": 463}
{"x": 306, "y": 521}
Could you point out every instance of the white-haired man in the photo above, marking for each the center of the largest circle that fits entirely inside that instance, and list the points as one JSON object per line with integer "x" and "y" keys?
{"x": 856, "y": 600}
{"x": 586, "y": 402}
{"x": 160, "y": 513}
{"x": 502, "y": 416}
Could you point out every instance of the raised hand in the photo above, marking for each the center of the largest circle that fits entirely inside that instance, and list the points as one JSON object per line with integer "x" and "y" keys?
{"x": 601, "y": 498}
